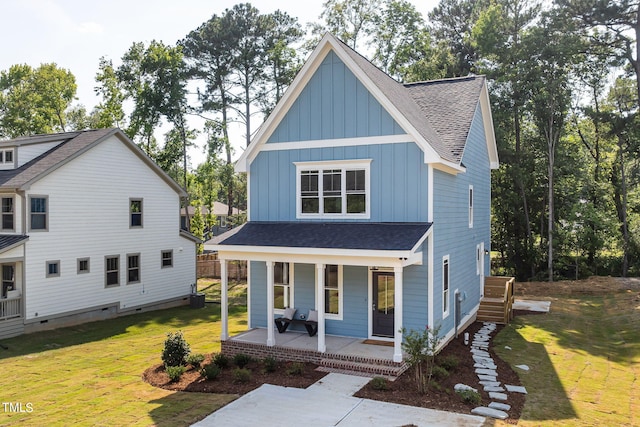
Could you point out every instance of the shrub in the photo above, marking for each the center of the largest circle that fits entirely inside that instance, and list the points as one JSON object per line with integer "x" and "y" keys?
{"x": 221, "y": 360}
{"x": 270, "y": 364}
{"x": 175, "y": 372}
{"x": 195, "y": 360}
{"x": 210, "y": 371}
{"x": 241, "y": 375}
{"x": 450, "y": 363}
{"x": 379, "y": 383}
{"x": 470, "y": 396}
{"x": 241, "y": 360}
{"x": 175, "y": 349}
{"x": 296, "y": 368}
{"x": 439, "y": 372}
{"x": 421, "y": 348}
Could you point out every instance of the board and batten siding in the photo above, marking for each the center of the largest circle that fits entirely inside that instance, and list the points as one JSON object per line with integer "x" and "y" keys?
{"x": 88, "y": 217}
{"x": 452, "y": 235}
{"x": 399, "y": 181}
{"x": 334, "y": 104}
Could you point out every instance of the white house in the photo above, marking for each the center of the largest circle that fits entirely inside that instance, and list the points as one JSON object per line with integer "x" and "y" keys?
{"x": 90, "y": 229}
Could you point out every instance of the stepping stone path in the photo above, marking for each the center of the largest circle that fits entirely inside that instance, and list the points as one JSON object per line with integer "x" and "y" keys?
{"x": 486, "y": 371}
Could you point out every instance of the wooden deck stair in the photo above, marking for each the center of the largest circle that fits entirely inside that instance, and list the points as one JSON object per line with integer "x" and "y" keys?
{"x": 497, "y": 303}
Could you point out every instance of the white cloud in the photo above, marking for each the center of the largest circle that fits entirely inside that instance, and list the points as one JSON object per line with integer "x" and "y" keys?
{"x": 89, "y": 28}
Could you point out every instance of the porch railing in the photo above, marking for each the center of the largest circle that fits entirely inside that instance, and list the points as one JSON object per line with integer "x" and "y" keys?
{"x": 10, "y": 308}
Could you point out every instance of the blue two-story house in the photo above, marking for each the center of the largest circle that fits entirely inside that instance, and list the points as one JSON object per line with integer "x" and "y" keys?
{"x": 369, "y": 203}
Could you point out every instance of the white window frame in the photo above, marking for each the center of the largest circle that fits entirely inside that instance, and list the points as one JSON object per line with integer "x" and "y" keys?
{"x": 291, "y": 302}
{"x": 332, "y": 316}
{"x": 223, "y": 221}
{"x": 446, "y": 290}
{"x": 471, "y": 203}
{"x": 343, "y": 166}
{"x": 3, "y": 157}
{"x": 478, "y": 255}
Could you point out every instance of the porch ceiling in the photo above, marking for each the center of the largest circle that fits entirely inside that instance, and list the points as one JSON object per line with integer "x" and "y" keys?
{"x": 10, "y": 241}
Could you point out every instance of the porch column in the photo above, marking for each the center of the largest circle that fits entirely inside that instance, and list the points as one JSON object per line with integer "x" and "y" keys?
{"x": 320, "y": 307}
{"x": 224, "y": 301}
{"x": 397, "y": 315}
{"x": 270, "y": 337}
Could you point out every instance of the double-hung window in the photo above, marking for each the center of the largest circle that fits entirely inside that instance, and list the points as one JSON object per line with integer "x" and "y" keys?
{"x": 7, "y": 213}
{"x": 333, "y": 291}
{"x": 133, "y": 268}
{"x": 282, "y": 285}
{"x": 112, "y": 270}
{"x": 135, "y": 212}
{"x": 334, "y": 189}
{"x": 38, "y": 212}
{"x": 471, "y": 206}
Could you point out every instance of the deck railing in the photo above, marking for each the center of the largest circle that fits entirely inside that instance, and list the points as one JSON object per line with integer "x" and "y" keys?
{"x": 10, "y": 308}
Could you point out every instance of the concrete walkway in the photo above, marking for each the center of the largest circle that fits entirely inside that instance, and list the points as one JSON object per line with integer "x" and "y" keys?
{"x": 328, "y": 402}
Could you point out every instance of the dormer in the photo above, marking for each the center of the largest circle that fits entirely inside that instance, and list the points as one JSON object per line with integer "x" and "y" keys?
{"x": 7, "y": 158}
{"x": 17, "y": 152}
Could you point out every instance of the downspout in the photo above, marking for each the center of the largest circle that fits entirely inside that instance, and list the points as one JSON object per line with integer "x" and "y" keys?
{"x": 430, "y": 255}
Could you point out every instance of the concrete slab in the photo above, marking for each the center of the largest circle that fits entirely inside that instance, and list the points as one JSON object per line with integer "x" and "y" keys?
{"x": 328, "y": 402}
{"x": 530, "y": 305}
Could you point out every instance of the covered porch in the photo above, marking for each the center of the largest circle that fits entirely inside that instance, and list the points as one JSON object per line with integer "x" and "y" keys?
{"x": 367, "y": 246}
{"x": 12, "y": 289}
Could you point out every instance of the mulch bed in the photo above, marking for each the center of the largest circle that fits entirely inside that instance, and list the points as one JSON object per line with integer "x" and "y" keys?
{"x": 226, "y": 383}
{"x": 402, "y": 390}
{"x": 441, "y": 396}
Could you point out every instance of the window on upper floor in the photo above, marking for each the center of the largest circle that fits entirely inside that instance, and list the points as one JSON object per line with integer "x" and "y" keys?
{"x": 7, "y": 213}
{"x": 471, "y": 206}
{"x": 338, "y": 189}
{"x": 38, "y": 213}
{"x": 135, "y": 212}
{"x": 6, "y": 157}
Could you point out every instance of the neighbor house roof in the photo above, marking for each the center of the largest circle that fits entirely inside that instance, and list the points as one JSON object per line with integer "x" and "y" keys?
{"x": 331, "y": 235}
{"x": 10, "y": 241}
{"x": 436, "y": 114}
{"x": 72, "y": 145}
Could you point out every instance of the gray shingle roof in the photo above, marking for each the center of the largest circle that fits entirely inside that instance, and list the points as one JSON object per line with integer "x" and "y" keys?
{"x": 331, "y": 235}
{"x": 440, "y": 110}
{"x": 8, "y": 241}
{"x": 74, "y": 144}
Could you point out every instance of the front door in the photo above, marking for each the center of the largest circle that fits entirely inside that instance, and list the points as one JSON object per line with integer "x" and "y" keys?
{"x": 383, "y": 303}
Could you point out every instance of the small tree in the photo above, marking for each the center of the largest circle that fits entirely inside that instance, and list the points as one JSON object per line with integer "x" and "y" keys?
{"x": 175, "y": 349}
{"x": 421, "y": 348}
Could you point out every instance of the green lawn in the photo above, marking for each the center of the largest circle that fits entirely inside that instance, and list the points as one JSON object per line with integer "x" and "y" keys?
{"x": 584, "y": 358}
{"x": 91, "y": 374}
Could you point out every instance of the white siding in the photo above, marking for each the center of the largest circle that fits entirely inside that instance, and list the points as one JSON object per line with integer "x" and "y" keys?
{"x": 26, "y": 153}
{"x": 89, "y": 217}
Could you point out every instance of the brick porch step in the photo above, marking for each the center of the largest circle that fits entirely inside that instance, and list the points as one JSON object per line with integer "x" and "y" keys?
{"x": 389, "y": 370}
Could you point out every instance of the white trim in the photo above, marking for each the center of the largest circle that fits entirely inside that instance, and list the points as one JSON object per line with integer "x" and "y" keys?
{"x": 446, "y": 293}
{"x": 397, "y": 314}
{"x": 430, "y": 287}
{"x": 482, "y": 255}
{"x": 320, "y": 307}
{"x": 224, "y": 300}
{"x": 248, "y": 195}
{"x": 489, "y": 132}
{"x": 336, "y": 142}
{"x": 327, "y": 256}
{"x": 449, "y": 336}
{"x": 249, "y": 320}
{"x": 344, "y": 166}
{"x": 270, "y": 312}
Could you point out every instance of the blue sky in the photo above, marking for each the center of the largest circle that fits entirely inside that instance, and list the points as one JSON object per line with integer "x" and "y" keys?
{"x": 76, "y": 33}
